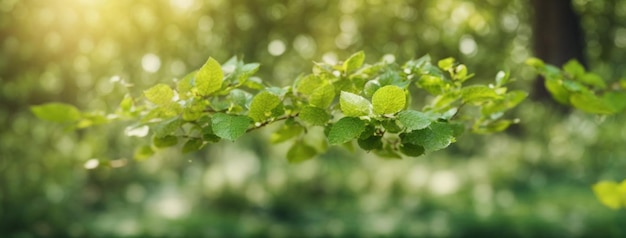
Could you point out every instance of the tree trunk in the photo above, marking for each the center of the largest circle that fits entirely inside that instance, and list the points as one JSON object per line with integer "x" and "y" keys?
{"x": 557, "y": 37}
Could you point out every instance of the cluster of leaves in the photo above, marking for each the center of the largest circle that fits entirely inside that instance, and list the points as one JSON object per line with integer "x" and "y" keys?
{"x": 336, "y": 104}
{"x": 586, "y": 91}
{"x": 572, "y": 85}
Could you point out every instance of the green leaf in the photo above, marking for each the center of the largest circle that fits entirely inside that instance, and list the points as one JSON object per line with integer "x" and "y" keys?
{"x": 391, "y": 125}
{"x": 262, "y": 105}
{"x": 353, "y": 105}
{"x": 354, "y": 62}
{"x": 414, "y": 120}
{"x": 308, "y": 84}
{"x": 344, "y": 130}
{"x": 92, "y": 119}
{"x": 573, "y": 86}
{"x": 617, "y": 100}
{"x": 493, "y": 126}
{"x": 478, "y": 94}
{"x": 254, "y": 83}
{"x": 535, "y": 62}
{"x": 194, "y": 109}
{"x": 166, "y": 127}
{"x": 509, "y": 101}
{"x": 461, "y": 73}
{"x": 574, "y": 68}
{"x": 502, "y": 78}
{"x": 389, "y": 100}
{"x": 314, "y": 116}
{"x": 432, "y": 84}
{"x": 608, "y": 192}
{"x": 143, "y": 153}
{"x": 209, "y": 78}
{"x": 446, "y": 100}
{"x": 246, "y": 71}
{"x": 388, "y": 153}
{"x": 209, "y": 135}
{"x": 126, "y": 104}
{"x": 56, "y": 112}
{"x": 300, "y": 151}
{"x": 229, "y": 127}
{"x": 371, "y": 143}
{"x": 446, "y": 64}
{"x": 556, "y": 89}
{"x": 590, "y": 103}
{"x": 240, "y": 97}
{"x": 290, "y": 129}
{"x": 437, "y": 136}
{"x": 592, "y": 79}
{"x": 160, "y": 94}
{"x": 166, "y": 141}
{"x": 412, "y": 150}
{"x": 185, "y": 85}
{"x": 192, "y": 145}
{"x": 323, "y": 96}
{"x": 370, "y": 130}
{"x": 371, "y": 87}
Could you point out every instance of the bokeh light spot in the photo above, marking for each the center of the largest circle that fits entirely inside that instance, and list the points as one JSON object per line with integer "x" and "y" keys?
{"x": 92, "y": 164}
{"x": 468, "y": 45}
{"x": 276, "y": 47}
{"x": 150, "y": 63}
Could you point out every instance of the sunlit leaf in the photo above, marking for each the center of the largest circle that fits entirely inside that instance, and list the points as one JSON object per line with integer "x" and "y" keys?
{"x": 617, "y": 100}
{"x": 592, "y": 80}
{"x": 574, "y": 68}
{"x": 166, "y": 127}
{"x": 389, "y": 99}
{"x": 209, "y": 78}
{"x": 509, "y": 101}
{"x": 160, "y": 94}
{"x": 478, "y": 94}
{"x": 353, "y": 105}
{"x": 262, "y": 105}
{"x": 185, "y": 85}
{"x": 591, "y": 104}
{"x": 126, "y": 104}
{"x": 607, "y": 192}
{"x": 56, "y": 112}
{"x": 502, "y": 78}
{"x": 323, "y": 96}
{"x": 370, "y": 88}
{"x": 308, "y": 84}
{"x": 558, "y": 92}
{"x": 446, "y": 64}
{"x": 354, "y": 62}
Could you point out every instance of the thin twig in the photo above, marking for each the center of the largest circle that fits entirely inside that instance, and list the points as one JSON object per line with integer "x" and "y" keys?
{"x": 265, "y": 123}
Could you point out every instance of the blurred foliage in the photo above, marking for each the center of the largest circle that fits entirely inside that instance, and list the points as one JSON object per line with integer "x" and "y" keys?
{"x": 532, "y": 181}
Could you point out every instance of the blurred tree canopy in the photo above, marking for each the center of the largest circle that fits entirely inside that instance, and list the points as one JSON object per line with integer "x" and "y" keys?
{"x": 533, "y": 181}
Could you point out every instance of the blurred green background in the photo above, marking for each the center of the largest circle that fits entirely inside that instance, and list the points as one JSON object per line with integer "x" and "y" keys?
{"x": 531, "y": 181}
